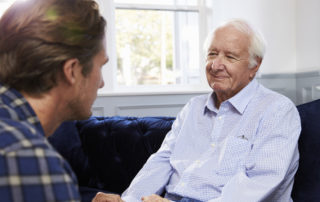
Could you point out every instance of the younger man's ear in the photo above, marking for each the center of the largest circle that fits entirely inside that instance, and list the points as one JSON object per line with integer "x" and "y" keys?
{"x": 71, "y": 69}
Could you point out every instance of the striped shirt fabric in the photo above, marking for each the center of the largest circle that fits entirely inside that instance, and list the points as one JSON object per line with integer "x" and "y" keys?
{"x": 244, "y": 151}
{"x": 30, "y": 168}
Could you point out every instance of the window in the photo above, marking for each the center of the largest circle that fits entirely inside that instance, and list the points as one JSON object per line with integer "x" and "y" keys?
{"x": 153, "y": 46}
{"x": 4, "y": 4}
{"x": 158, "y": 45}
{"x": 154, "y": 42}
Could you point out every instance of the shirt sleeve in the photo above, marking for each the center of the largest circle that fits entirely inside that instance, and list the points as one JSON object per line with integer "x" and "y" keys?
{"x": 36, "y": 173}
{"x": 155, "y": 174}
{"x": 271, "y": 164}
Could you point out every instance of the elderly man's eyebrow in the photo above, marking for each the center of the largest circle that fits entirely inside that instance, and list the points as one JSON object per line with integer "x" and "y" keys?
{"x": 212, "y": 49}
{"x": 232, "y": 52}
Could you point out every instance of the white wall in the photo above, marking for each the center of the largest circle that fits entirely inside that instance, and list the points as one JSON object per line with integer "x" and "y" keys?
{"x": 291, "y": 29}
{"x": 308, "y": 35}
{"x": 292, "y": 32}
{"x": 276, "y": 19}
{"x": 141, "y": 105}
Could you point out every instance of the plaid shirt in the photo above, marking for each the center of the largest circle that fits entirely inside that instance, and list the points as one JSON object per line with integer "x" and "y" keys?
{"x": 30, "y": 168}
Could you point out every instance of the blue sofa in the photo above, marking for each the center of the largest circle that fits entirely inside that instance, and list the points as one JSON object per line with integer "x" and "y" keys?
{"x": 107, "y": 152}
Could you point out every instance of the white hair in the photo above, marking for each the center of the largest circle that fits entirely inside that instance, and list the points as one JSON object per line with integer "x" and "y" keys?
{"x": 257, "y": 46}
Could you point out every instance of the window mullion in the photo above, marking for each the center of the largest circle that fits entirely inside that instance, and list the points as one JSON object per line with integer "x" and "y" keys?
{"x": 176, "y": 47}
{"x": 157, "y": 7}
{"x": 108, "y": 71}
{"x": 205, "y": 25}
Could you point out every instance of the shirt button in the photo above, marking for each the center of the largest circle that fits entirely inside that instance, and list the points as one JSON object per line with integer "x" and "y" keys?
{"x": 219, "y": 117}
{"x": 213, "y": 145}
{"x": 198, "y": 162}
{"x": 182, "y": 184}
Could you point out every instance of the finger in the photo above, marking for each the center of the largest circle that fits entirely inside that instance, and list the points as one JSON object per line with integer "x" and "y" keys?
{"x": 98, "y": 198}
{"x": 152, "y": 198}
{"x": 103, "y": 197}
{"x": 144, "y": 198}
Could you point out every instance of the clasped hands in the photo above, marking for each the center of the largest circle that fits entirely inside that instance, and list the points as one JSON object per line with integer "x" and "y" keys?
{"x": 103, "y": 197}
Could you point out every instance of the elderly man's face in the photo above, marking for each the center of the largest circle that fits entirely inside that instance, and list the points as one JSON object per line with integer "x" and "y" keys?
{"x": 227, "y": 67}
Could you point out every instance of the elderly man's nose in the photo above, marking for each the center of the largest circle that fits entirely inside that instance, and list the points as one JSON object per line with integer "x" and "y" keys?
{"x": 218, "y": 63}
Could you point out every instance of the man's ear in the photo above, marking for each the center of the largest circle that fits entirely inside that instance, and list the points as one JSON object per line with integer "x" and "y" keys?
{"x": 255, "y": 68}
{"x": 71, "y": 70}
{"x": 259, "y": 61}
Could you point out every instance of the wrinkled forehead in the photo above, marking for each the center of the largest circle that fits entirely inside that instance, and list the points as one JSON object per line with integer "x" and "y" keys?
{"x": 230, "y": 37}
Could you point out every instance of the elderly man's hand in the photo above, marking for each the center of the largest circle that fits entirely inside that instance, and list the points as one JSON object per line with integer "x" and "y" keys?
{"x": 154, "y": 198}
{"x": 103, "y": 197}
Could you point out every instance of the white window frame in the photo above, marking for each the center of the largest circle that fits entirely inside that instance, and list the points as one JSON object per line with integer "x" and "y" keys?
{"x": 107, "y": 9}
{"x": 4, "y": 5}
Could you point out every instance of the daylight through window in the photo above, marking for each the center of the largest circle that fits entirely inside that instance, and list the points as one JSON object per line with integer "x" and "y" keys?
{"x": 157, "y": 44}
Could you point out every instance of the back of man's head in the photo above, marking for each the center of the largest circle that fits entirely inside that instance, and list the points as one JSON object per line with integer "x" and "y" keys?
{"x": 38, "y": 36}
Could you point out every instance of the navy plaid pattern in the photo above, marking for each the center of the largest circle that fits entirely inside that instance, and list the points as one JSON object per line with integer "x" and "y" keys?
{"x": 30, "y": 168}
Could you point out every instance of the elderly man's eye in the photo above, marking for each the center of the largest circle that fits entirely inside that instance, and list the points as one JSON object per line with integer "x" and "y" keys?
{"x": 231, "y": 57}
{"x": 212, "y": 55}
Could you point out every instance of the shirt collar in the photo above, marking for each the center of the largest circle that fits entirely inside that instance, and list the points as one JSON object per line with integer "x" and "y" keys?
{"x": 15, "y": 100}
{"x": 210, "y": 103}
{"x": 238, "y": 101}
{"x": 242, "y": 98}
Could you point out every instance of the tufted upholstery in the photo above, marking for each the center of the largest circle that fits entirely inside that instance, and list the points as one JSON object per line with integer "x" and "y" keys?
{"x": 107, "y": 152}
{"x": 307, "y": 180}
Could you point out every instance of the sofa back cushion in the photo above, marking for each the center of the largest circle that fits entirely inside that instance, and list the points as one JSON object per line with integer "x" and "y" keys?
{"x": 117, "y": 147}
{"x": 307, "y": 180}
{"x": 66, "y": 141}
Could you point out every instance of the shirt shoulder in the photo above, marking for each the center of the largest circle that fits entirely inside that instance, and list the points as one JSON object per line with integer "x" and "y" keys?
{"x": 26, "y": 154}
{"x": 268, "y": 97}
{"x": 274, "y": 107}
{"x": 200, "y": 100}
{"x": 16, "y": 135}
{"x": 194, "y": 106}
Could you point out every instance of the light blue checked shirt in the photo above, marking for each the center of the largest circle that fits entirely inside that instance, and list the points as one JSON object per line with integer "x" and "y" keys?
{"x": 244, "y": 151}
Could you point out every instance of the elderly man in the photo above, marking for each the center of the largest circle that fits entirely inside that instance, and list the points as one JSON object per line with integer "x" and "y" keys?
{"x": 239, "y": 143}
{"x": 51, "y": 54}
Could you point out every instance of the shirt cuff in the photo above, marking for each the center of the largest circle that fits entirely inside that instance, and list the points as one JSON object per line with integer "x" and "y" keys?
{"x": 130, "y": 199}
